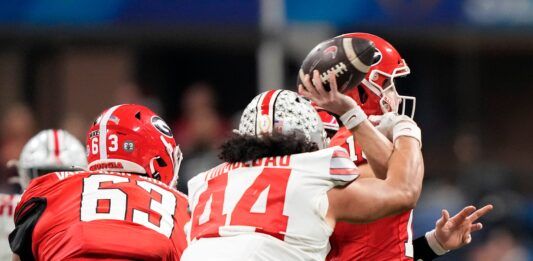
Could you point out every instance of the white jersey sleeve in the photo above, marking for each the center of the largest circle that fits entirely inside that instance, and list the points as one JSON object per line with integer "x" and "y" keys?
{"x": 275, "y": 207}
{"x": 342, "y": 169}
{"x": 8, "y": 203}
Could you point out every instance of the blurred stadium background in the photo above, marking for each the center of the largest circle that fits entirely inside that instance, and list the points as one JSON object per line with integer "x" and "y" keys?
{"x": 199, "y": 62}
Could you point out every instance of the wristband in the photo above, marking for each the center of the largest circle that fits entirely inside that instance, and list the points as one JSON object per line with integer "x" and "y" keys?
{"x": 407, "y": 128}
{"x": 434, "y": 244}
{"x": 353, "y": 117}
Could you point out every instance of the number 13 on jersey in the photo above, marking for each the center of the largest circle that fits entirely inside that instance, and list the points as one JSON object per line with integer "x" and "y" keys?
{"x": 233, "y": 200}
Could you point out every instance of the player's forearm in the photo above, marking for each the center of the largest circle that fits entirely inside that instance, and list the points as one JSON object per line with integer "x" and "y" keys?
{"x": 366, "y": 200}
{"x": 406, "y": 170}
{"x": 376, "y": 146}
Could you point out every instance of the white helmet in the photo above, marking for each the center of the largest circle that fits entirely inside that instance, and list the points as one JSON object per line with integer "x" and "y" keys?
{"x": 49, "y": 151}
{"x": 284, "y": 112}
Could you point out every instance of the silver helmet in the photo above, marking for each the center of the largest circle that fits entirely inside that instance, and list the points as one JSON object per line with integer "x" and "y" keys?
{"x": 284, "y": 112}
{"x": 49, "y": 151}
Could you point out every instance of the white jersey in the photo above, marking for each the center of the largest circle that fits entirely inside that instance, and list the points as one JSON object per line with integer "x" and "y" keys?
{"x": 269, "y": 209}
{"x": 8, "y": 202}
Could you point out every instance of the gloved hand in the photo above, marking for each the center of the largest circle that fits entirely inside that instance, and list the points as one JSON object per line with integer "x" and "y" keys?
{"x": 393, "y": 126}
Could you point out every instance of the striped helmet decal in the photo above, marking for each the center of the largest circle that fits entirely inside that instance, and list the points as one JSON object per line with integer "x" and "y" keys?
{"x": 265, "y": 115}
{"x": 57, "y": 151}
{"x": 54, "y": 137}
{"x": 103, "y": 131}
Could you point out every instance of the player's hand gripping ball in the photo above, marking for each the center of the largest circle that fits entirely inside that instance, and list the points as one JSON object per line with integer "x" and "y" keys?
{"x": 348, "y": 57}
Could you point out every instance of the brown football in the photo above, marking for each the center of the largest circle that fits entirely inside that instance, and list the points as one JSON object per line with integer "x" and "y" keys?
{"x": 348, "y": 57}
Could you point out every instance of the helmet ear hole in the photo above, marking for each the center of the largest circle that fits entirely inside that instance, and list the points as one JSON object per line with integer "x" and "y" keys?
{"x": 161, "y": 162}
{"x": 138, "y": 115}
{"x": 363, "y": 96}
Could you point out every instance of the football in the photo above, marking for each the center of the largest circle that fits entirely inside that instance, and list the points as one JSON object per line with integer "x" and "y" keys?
{"x": 348, "y": 57}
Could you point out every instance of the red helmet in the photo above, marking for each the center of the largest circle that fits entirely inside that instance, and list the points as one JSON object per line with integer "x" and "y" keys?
{"x": 378, "y": 86}
{"x": 132, "y": 138}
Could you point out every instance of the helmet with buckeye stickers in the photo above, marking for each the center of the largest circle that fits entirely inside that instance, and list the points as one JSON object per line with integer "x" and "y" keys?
{"x": 284, "y": 112}
{"x": 132, "y": 138}
{"x": 49, "y": 151}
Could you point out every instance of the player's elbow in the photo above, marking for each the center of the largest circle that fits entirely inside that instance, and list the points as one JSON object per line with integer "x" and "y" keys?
{"x": 409, "y": 190}
{"x": 398, "y": 201}
{"x": 409, "y": 197}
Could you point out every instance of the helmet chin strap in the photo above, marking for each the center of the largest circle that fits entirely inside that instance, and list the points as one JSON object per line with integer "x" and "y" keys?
{"x": 390, "y": 99}
{"x": 176, "y": 156}
{"x": 153, "y": 173}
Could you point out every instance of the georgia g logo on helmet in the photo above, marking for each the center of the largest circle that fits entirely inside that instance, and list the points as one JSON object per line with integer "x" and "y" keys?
{"x": 377, "y": 57}
{"x": 161, "y": 126}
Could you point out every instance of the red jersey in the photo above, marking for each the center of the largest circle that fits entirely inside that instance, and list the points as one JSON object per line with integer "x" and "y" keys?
{"x": 388, "y": 238}
{"x": 92, "y": 215}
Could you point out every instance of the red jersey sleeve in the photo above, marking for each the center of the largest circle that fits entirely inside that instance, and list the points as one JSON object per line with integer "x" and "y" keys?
{"x": 344, "y": 138}
{"x": 179, "y": 236}
{"x": 36, "y": 188}
{"x": 29, "y": 210}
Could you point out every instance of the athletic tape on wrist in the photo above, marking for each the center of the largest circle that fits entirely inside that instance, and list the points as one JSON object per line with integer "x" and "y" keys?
{"x": 353, "y": 117}
{"x": 407, "y": 128}
{"x": 434, "y": 244}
